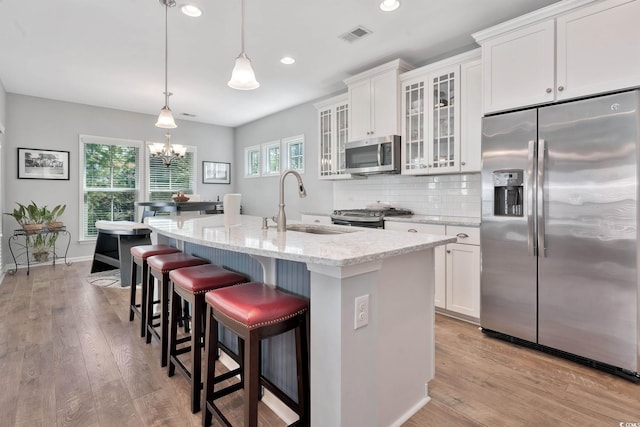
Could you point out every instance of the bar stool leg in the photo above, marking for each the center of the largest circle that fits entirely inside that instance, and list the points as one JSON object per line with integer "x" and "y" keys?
{"x": 134, "y": 286}
{"x": 196, "y": 351}
{"x": 252, "y": 380}
{"x": 211, "y": 342}
{"x": 174, "y": 313}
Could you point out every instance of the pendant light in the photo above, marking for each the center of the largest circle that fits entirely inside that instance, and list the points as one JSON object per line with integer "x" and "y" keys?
{"x": 242, "y": 76}
{"x": 165, "y": 119}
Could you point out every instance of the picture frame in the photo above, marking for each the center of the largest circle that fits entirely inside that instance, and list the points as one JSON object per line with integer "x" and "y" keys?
{"x": 216, "y": 172}
{"x": 37, "y": 163}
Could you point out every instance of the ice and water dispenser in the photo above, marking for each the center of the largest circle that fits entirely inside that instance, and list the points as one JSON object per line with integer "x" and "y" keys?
{"x": 508, "y": 192}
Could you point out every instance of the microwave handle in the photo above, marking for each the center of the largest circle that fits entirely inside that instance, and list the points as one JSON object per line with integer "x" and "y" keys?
{"x": 379, "y": 154}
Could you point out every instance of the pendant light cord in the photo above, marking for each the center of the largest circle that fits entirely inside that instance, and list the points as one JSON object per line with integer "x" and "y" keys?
{"x": 242, "y": 29}
{"x": 166, "y": 52}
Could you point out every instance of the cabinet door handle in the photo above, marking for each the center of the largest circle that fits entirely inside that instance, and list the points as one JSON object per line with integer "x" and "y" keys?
{"x": 448, "y": 251}
{"x": 316, "y": 221}
{"x": 463, "y": 163}
{"x": 462, "y": 235}
{"x": 560, "y": 88}
{"x": 412, "y": 230}
{"x": 549, "y": 90}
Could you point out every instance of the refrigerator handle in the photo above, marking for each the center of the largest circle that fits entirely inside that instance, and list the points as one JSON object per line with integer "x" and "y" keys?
{"x": 542, "y": 160}
{"x": 530, "y": 220}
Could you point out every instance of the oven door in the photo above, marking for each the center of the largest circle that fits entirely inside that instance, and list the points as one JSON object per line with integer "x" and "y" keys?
{"x": 356, "y": 223}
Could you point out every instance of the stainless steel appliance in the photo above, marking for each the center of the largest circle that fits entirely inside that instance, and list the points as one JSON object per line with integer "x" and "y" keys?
{"x": 371, "y": 218}
{"x": 374, "y": 155}
{"x": 559, "y": 230}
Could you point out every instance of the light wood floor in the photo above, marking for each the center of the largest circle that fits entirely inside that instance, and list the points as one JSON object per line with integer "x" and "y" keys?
{"x": 69, "y": 356}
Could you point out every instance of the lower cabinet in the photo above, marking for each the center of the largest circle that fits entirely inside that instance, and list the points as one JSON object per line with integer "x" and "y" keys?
{"x": 457, "y": 267}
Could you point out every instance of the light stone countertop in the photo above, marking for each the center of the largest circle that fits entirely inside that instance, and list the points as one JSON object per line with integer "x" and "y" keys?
{"x": 437, "y": 219}
{"x": 357, "y": 246}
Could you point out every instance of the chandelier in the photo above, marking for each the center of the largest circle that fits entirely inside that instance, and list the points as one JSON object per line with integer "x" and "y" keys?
{"x": 167, "y": 152}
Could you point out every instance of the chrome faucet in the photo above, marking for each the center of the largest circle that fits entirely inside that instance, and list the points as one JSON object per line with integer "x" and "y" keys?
{"x": 281, "y": 219}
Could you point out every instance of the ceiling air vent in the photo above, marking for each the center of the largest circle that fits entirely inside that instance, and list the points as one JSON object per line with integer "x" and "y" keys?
{"x": 355, "y": 34}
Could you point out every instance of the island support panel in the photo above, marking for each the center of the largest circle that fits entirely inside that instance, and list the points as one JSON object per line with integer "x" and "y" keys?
{"x": 382, "y": 370}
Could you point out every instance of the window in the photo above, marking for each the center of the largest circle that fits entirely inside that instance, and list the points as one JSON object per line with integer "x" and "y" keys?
{"x": 252, "y": 161}
{"x": 110, "y": 183}
{"x": 271, "y": 153}
{"x": 294, "y": 153}
{"x": 165, "y": 181}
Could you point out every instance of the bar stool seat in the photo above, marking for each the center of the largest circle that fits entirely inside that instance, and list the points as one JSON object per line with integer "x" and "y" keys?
{"x": 139, "y": 255}
{"x": 190, "y": 284}
{"x": 159, "y": 267}
{"x": 255, "y": 311}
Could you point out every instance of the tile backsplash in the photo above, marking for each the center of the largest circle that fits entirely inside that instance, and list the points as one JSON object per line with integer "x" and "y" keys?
{"x": 450, "y": 195}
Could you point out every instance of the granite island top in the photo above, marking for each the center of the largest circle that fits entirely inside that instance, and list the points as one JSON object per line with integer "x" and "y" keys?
{"x": 355, "y": 246}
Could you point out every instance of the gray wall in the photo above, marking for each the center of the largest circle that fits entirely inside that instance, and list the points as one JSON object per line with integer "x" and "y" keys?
{"x": 44, "y": 123}
{"x": 260, "y": 195}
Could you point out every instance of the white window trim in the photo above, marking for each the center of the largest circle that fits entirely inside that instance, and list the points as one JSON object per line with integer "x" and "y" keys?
{"x": 92, "y": 139}
{"x": 247, "y": 161}
{"x": 147, "y": 185}
{"x": 265, "y": 163}
{"x": 284, "y": 154}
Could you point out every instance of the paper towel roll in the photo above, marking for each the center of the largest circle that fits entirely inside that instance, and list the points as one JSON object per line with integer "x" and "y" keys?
{"x": 231, "y": 203}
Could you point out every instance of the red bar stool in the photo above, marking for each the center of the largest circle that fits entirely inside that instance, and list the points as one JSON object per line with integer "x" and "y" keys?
{"x": 139, "y": 255}
{"x": 255, "y": 311}
{"x": 191, "y": 284}
{"x": 159, "y": 267}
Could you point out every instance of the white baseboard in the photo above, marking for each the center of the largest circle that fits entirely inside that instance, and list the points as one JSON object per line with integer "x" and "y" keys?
{"x": 280, "y": 409}
{"x": 411, "y": 412}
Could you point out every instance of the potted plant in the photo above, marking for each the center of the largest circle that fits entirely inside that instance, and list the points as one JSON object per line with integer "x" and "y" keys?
{"x": 32, "y": 219}
{"x": 51, "y": 217}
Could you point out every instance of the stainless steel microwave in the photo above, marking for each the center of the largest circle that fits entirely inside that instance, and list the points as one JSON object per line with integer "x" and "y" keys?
{"x": 373, "y": 155}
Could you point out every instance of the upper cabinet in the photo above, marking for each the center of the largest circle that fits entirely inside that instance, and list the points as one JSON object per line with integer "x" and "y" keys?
{"x": 570, "y": 49}
{"x": 374, "y": 101}
{"x": 333, "y": 125}
{"x": 441, "y": 113}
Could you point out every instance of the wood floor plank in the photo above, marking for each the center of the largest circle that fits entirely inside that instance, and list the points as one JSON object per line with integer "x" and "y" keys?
{"x": 70, "y": 356}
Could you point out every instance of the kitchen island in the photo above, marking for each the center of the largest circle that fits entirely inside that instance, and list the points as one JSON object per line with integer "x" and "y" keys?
{"x": 376, "y": 375}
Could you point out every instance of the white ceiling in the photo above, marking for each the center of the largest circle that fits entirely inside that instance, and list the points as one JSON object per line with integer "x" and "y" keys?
{"x": 110, "y": 53}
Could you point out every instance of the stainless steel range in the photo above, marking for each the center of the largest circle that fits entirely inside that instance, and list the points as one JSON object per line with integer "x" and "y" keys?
{"x": 371, "y": 217}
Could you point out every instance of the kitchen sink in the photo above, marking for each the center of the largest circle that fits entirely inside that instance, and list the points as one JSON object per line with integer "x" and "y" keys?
{"x": 317, "y": 229}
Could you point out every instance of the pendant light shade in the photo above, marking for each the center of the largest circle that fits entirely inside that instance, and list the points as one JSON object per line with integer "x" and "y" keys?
{"x": 242, "y": 76}
{"x": 165, "y": 119}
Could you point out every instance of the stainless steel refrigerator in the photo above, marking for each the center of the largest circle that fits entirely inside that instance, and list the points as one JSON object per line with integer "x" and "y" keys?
{"x": 559, "y": 229}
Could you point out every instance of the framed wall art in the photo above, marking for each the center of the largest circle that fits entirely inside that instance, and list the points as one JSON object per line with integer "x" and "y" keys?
{"x": 216, "y": 172}
{"x": 35, "y": 163}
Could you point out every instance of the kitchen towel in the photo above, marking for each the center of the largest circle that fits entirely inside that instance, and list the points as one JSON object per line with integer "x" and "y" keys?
{"x": 231, "y": 203}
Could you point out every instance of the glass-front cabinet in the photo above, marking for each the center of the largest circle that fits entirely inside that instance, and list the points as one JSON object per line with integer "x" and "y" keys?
{"x": 431, "y": 122}
{"x": 333, "y": 125}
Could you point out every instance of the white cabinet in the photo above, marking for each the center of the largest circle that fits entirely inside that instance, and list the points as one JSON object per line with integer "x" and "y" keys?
{"x": 333, "y": 125}
{"x": 470, "y": 116}
{"x": 567, "y": 50}
{"x": 315, "y": 219}
{"x": 463, "y": 271}
{"x": 457, "y": 267}
{"x": 374, "y": 101}
{"x": 441, "y": 114}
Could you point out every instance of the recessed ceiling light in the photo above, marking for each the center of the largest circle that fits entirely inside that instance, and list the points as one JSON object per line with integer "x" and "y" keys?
{"x": 389, "y": 5}
{"x": 191, "y": 10}
{"x": 287, "y": 60}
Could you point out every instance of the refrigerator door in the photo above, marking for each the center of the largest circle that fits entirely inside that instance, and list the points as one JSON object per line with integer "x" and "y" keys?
{"x": 588, "y": 288}
{"x": 508, "y": 280}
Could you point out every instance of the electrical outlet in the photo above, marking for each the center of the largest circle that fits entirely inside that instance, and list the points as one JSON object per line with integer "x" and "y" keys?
{"x": 361, "y": 311}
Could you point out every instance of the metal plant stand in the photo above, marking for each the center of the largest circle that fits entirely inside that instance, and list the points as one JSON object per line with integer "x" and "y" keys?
{"x": 20, "y": 249}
